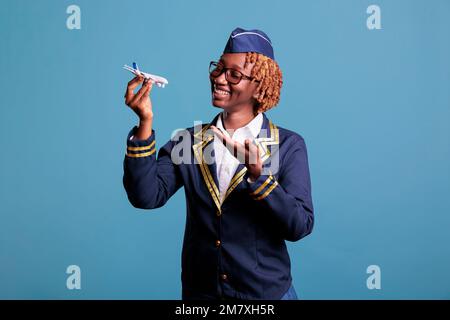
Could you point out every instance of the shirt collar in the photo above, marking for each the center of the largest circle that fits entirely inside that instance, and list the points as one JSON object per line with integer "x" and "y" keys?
{"x": 254, "y": 125}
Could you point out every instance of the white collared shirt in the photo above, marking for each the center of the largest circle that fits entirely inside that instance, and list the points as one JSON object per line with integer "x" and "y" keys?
{"x": 226, "y": 163}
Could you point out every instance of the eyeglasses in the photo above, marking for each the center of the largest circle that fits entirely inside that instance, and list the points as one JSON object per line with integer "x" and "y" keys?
{"x": 233, "y": 76}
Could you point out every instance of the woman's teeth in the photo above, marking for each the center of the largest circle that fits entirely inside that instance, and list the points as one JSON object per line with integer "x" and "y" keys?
{"x": 221, "y": 92}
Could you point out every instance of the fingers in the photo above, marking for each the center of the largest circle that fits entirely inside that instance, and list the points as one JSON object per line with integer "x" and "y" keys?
{"x": 258, "y": 156}
{"x": 254, "y": 154}
{"x": 252, "y": 151}
{"x": 133, "y": 83}
{"x": 218, "y": 133}
{"x": 247, "y": 153}
{"x": 129, "y": 95}
{"x": 141, "y": 93}
{"x": 146, "y": 92}
{"x": 247, "y": 150}
{"x": 233, "y": 146}
{"x": 237, "y": 149}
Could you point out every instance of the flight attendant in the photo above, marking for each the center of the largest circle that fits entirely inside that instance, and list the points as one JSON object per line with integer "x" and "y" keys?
{"x": 246, "y": 180}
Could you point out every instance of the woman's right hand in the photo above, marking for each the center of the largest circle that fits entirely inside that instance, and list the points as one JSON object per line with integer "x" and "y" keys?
{"x": 140, "y": 101}
{"x": 141, "y": 104}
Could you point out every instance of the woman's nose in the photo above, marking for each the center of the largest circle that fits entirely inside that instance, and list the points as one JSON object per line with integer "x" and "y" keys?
{"x": 221, "y": 78}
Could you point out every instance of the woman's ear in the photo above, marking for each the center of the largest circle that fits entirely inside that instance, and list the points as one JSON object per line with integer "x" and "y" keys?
{"x": 255, "y": 86}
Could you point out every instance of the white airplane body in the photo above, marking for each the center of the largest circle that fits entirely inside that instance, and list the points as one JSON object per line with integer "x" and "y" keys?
{"x": 160, "y": 81}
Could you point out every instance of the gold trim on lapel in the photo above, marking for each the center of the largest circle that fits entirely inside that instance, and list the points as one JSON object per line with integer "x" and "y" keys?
{"x": 205, "y": 138}
{"x": 237, "y": 178}
{"x": 264, "y": 142}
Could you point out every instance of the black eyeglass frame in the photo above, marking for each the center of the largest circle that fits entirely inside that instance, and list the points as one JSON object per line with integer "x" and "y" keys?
{"x": 227, "y": 73}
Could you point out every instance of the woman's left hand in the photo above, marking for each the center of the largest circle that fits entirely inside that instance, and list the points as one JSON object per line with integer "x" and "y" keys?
{"x": 249, "y": 152}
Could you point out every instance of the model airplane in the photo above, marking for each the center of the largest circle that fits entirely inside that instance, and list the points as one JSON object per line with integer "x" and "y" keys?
{"x": 160, "y": 81}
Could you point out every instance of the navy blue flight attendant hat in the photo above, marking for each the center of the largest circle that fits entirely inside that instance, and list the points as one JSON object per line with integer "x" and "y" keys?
{"x": 249, "y": 41}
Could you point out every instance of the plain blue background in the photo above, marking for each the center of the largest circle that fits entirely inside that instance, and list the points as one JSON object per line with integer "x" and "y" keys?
{"x": 372, "y": 105}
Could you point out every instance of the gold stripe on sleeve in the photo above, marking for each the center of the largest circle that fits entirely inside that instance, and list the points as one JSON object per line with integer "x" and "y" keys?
{"x": 261, "y": 187}
{"x": 269, "y": 190}
{"x": 142, "y": 148}
{"x": 140, "y": 155}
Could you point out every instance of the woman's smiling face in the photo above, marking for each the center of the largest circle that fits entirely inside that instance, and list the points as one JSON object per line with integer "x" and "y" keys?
{"x": 230, "y": 96}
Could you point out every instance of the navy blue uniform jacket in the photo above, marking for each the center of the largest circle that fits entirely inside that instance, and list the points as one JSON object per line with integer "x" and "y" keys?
{"x": 235, "y": 248}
